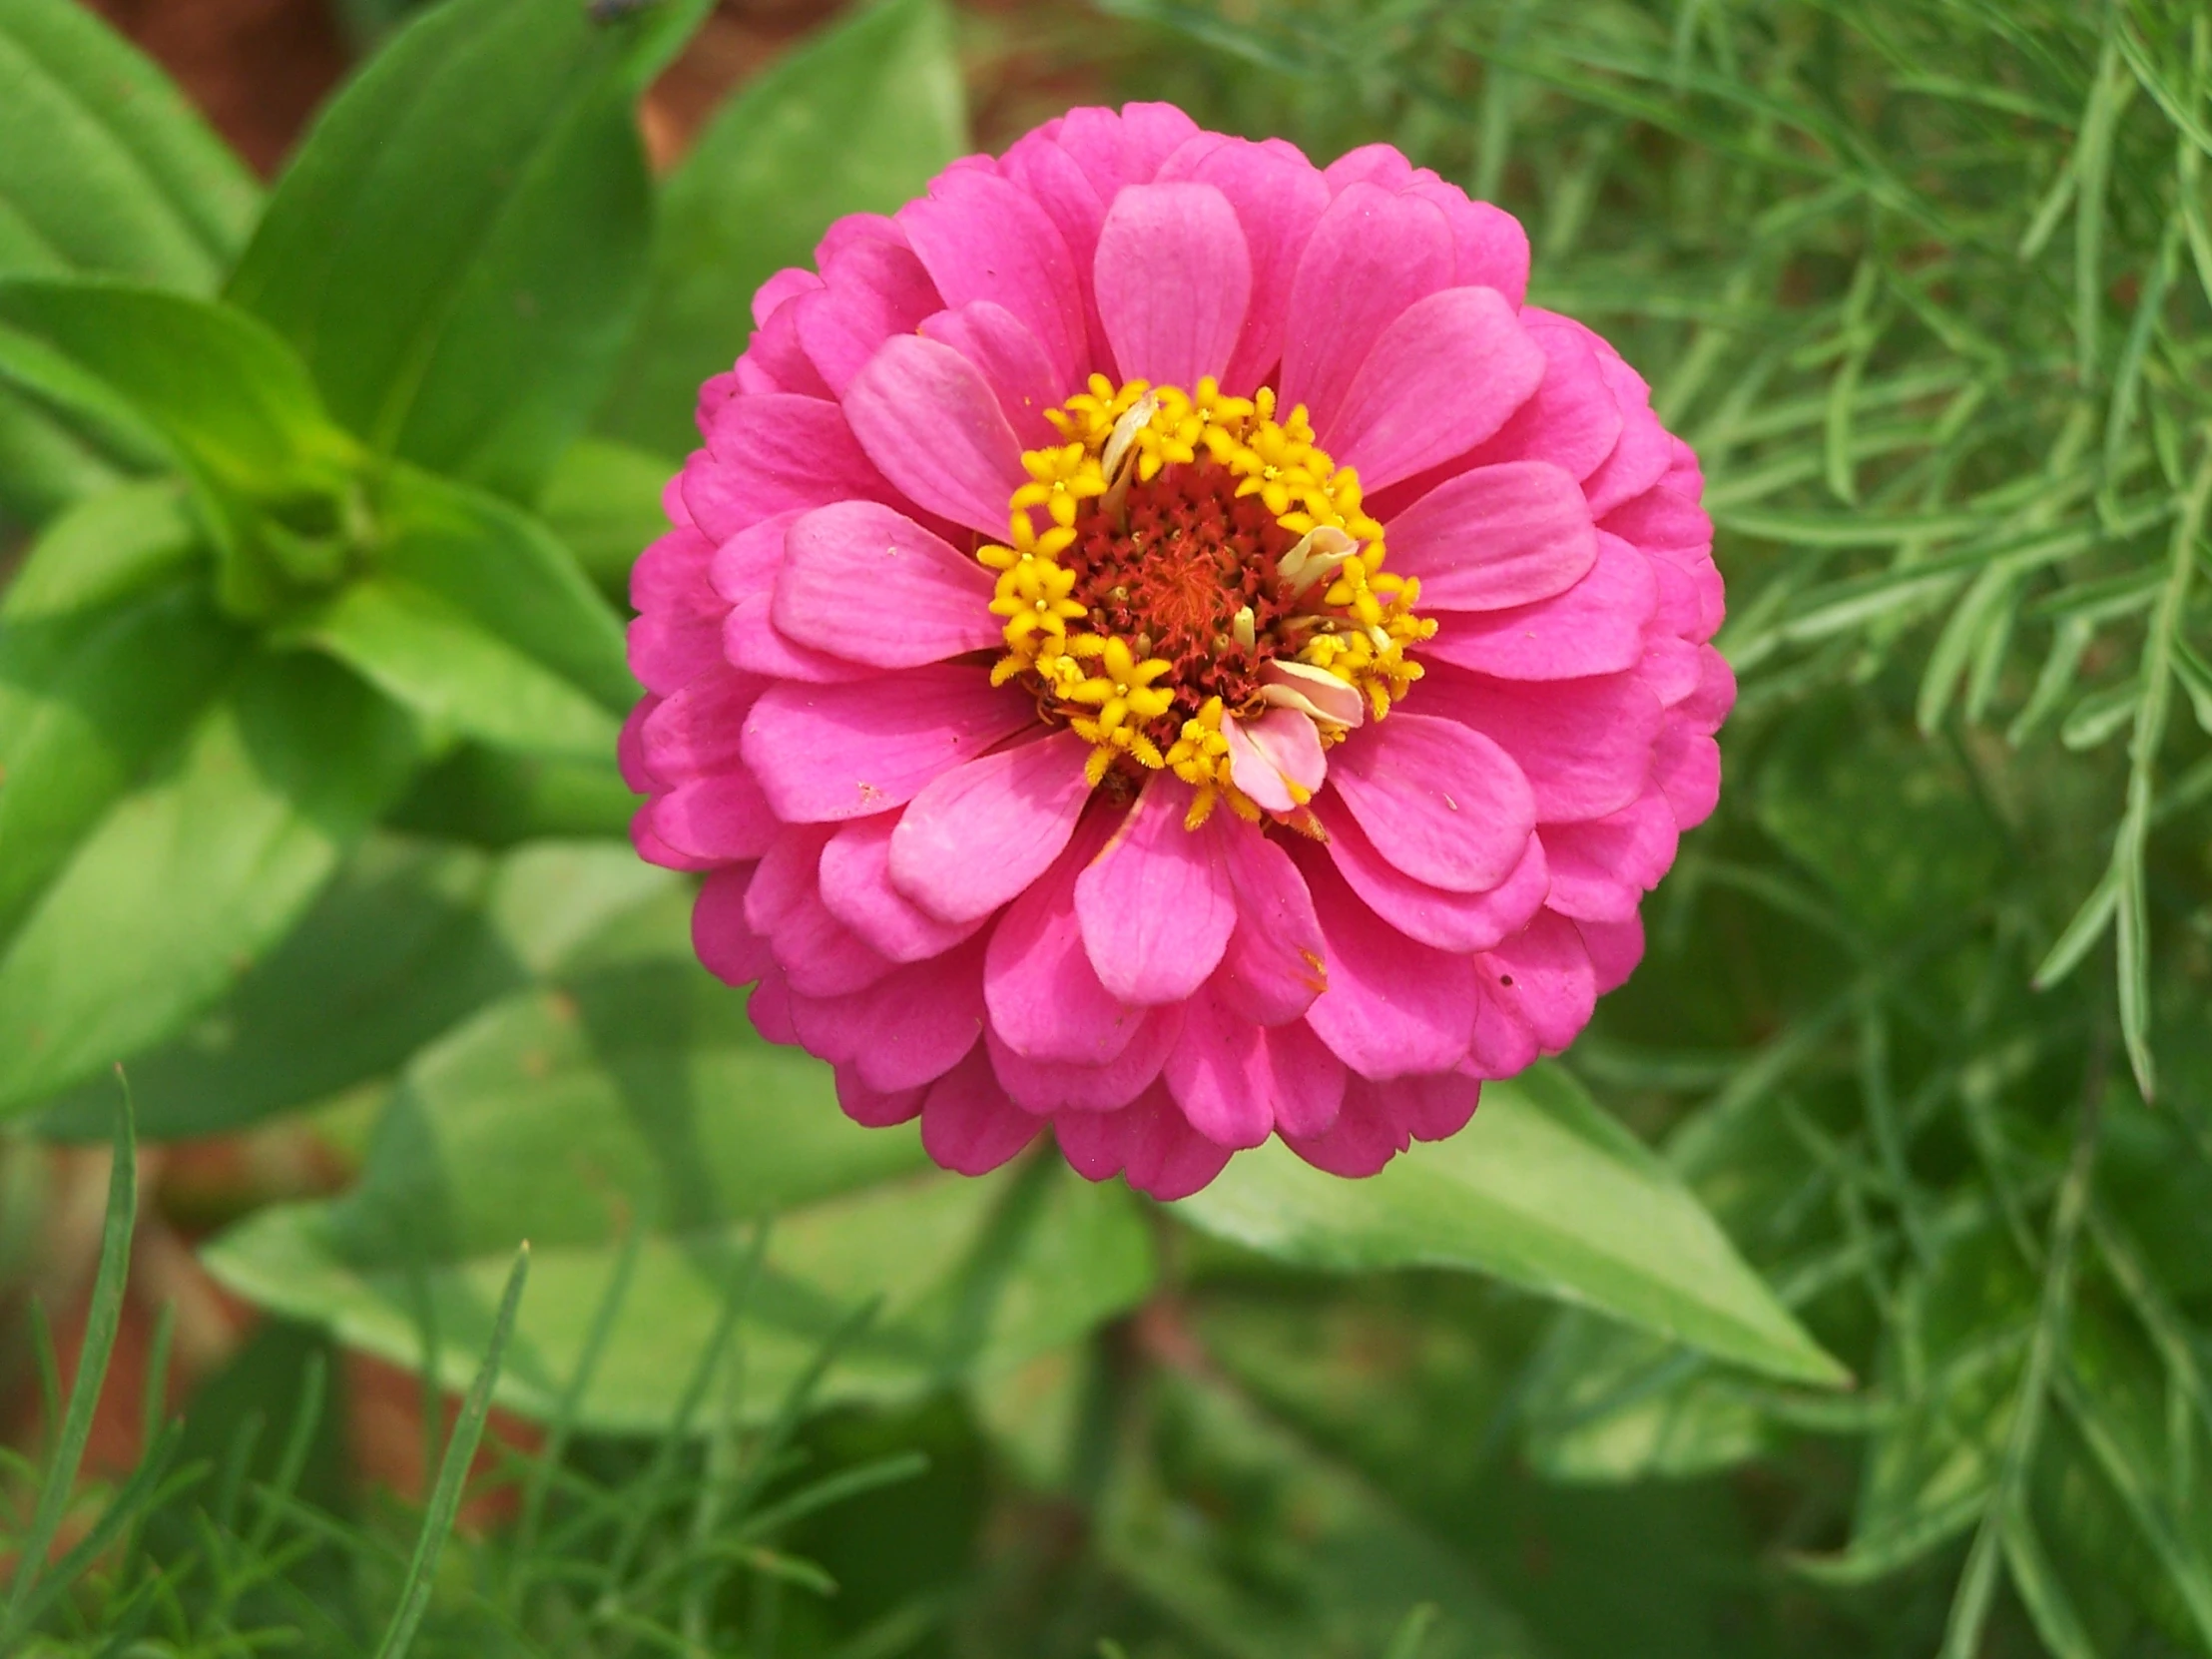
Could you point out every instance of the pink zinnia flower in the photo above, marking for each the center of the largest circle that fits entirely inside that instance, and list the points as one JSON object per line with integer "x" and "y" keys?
{"x": 1162, "y": 643}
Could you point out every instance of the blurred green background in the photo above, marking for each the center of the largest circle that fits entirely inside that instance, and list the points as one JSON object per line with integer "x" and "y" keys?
{"x": 1845, "y": 1291}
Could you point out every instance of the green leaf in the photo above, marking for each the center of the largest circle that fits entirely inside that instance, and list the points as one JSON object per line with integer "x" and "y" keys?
{"x": 604, "y": 501}
{"x": 634, "y": 1094}
{"x": 459, "y": 247}
{"x": 108, "y": 651}
{"x": 103, "y": 165}
{"x": 497, "y": 798}
{"x": 185, "y": 881}
{"x": 1543, "y": 1190}
{"x": 507, "y": 573}
{"x": 409, "y": 939}
{"x": 857, "y": 122}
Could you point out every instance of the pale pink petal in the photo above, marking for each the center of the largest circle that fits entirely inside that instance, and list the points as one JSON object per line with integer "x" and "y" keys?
{"x": 1279, "y": 197}
{"x": 876, "y": 290}
{"x": 860, "y": 580}
{"x": 1573, "y": 420}
{"x": 874, "y": 1108}
{"x": 1044, "y": 996}
{"x": 1495, "y": 537}
{"x": 1149, "y": 1142}
{"x": 967, "y": 1123}
{"x": 1543, "y": 974}
{"x": 830, "y": 753}
{"x": 728, "y": 946}
{"x": 1372, "y": 254}
{"x": 984, "y": 238}
{"x": 1392, "y": 1006}
{"x": 1009, "y": 358}
{"x": 909, "y": 1029}
{"x": 1276, "y": 963}
{"x": 1057, "y": 1086}
{"x": 1155, "y": 907}
{"x": 1601, "y": 869}
{"x": 1595, "y": 627}
{"x": 1615, "y": 949}
{"x": 1585, "y": 746}
{"x": 856, "y": 887}
{"x": 1440, "y": 801}
{"x": 980, "y": 833}
{"x": 1276, "y": 758}
{"x": 1455, "y": 921}
{"x": 1173, "y": 280}
{"x": 1309, "y": 1080}
{"x": 1445, "y": 375}
{"x": 932, "y": 423}
{"x": 1218, "y": 1073}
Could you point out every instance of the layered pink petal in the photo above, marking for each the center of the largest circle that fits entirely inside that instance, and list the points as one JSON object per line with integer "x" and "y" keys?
{"x": 1155, "y": 907}
{"x": 860, "y": 580}
{"x": 1045, "y": 998}
{"x": 829, "y": 753}
{"x": 1012, "y": 362}
{"x": 1149, "y": 1142}
{"x": 1309, "y": 1079}
{"x": 1173, "y": 280}
{"x": 1392, "y": 1006}
{"x": 856, "y": 887}
{"x": 875, "y": 1108}
{"x": 976, "y": 837}
{"x": 1595, "y": 627}
{"x": 1544, "y": 975}
{"x": 877, "y": 290}
{"x": 777, "y": 453}
{"x": 967, "y": 1123}
{"x": 931, "y": 424}
{"x": 1276, "y": 758}
{"x": 1585, "y": 746}
{"x": 1615, "y": 949}
{"x": 1059, "y": 1086}
{"x": 1601, "y": 869}
{"x": 1218, "y": 1073}
{"x": 1279, "y": 197}
{"x": 1276, "y": 963}
{"x": 1440, "y": 799}
{"x": 728, "y": 946}
{"x": 909, "y": 1029}
{"x": 1372, "y": 254}
{"x": 984, "y": 238}
{"x": 1494, "y": 537}
{"x": 1454, "y": 921}
{"x": 1445, "y": 375}
{"x": 1573, "y": 420}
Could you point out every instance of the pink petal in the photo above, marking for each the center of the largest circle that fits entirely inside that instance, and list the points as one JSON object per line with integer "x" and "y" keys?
{"x": 1434, "y": 1107}
{"x": 856, "y": 887}
{"x": 788, "y": 283}
{"x": 1270, "y": 755}
{"x": 1372, "y": 254}
{"x": 1365, "y": 1135}
{"x": 751, "y": 641}
{"x": 727, "y": 946}
{"x": 1381, "y": 165}
{"x": 931, "y": 422}
{"x": 776, "y": 453}
{"x": 1149, "y": 1141}
{"x": 678, "y": 634}
{"x": 877, "y": 290}
{"x": 1440, "y": 801}
{"x": 1051, "y": 178}
{"x": 1670, "y": 667}
{"x": 746, "y": 566}
{"x": 1118, "y": 149}
{"x": 978, "y": 835}
{"x": 1543, "y": 974}
{"x": 860, "y": 580}
{"x": 848, "y": 231}
{"x": 1503, "y": 1045}
{"x": 1615, "y": 949}
{"x": 719, "y": 819}
{"x": 1494, "y": 537}
{"x": 1276, "y": 963}
{"x": 694, "y": 732}
{"x": 1685, "y": 765}
{"x": 1706, "y": 708}
{"x": 630, "y": 746}
{"x": 1595, "y": 627}
{"x": 1585, "y": 746}
{"x": 967, "y": 1123}
{"x": 909, "y": 1029}
{"x": 829, "y": 753}
{"x": 1009, "y": 358}
{"x": 1218, "y": 1073}
{"x": 1173, "y": 280}
{"x": 1454, "y": 921}
{"x": 1443, "y": 376}
{"x": 1044, "y": 996}
{"x": 1279, "y": 197}
{"x": 872, "y": 1108}
{"x": 1573, "y": 420}
{"x": 984, "y": 238}
{"x": 653, "y": 850}
{"x": 1659, "y": 518}
{"x": 1489, "y": 248}
{"x": 770, "y": 1009}
{"x": 819, "y": 954}
{"x": 1392, "y": 1006}
{"x": 1645, "y": 450}
{"x": 1309, "y": 1080}
{"x": 1155, "y": 907}
{"x": 1601, "y": 869}
{"x": 1056, "y": 1086}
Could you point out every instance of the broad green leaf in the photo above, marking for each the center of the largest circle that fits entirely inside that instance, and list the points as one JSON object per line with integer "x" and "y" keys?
{"x": 604, "y": 501}
{"x": 43, "y": 464}
{"x": 1305, "y": 1559}
{"x": 1543, "y": 1190}
{"x": 459, "y": 247}
{"x": 185, "y": 882}
{"x": 109, "y": 648}
{"x": 1608, "y": 1403}
{"x": 412, "y": 939}
{"x": 103, "y": 165}
{"x": 633, "y": 1093}
{"x": 435, "y": 660}
{"x": 498, "y": 797}
{"x": 857, "y": 122}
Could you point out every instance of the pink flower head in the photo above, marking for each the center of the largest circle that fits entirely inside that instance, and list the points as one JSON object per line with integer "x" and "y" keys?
{"x": 1162, "y": 643}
